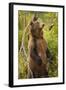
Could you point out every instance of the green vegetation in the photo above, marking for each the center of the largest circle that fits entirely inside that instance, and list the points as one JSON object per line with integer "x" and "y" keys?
{"x": 51, "y": 36}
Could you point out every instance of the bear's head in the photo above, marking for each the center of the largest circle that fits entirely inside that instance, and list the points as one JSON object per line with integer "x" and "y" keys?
{"x": 36, "y": 28}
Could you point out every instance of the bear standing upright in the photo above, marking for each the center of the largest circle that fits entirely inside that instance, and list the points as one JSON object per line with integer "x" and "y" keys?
{"x": 38, "y": 48}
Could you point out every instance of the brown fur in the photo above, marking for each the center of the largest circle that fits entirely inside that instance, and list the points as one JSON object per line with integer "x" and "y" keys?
{"x": 38, "y": 70}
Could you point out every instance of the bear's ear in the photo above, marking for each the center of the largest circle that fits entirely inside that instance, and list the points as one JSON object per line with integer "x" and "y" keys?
{"x": 31, "y": 23}
{"x": 35, "y": 18}
{"x": 43, "y": 25}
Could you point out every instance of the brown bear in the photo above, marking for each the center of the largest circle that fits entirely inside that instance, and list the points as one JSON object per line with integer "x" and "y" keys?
{"x": 38, "y": 51}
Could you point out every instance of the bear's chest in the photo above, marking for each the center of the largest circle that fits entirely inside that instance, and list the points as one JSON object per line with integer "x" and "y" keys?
{"x": 41, "y": 46}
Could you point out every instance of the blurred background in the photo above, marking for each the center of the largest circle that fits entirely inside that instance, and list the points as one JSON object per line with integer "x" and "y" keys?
{"x": 50, "y": 19}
